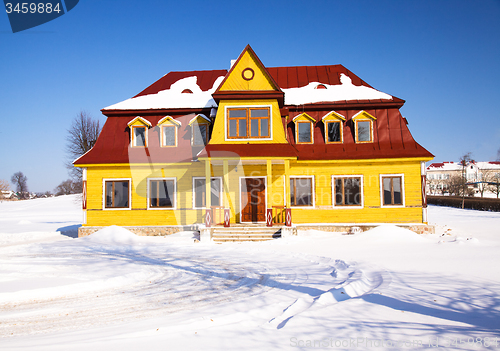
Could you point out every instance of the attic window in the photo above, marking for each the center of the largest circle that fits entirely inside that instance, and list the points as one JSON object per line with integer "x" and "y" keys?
{"x": 139, "y": 132}
{"x": 320, "y": 86}
{"x": 138, "y": 136}
{"x": 333, "y": 123}
{"x": 304, "y": 132}
{"x": 363, "y": 123}
{"x": 304, "y": 129}
{"x": 187, "y": 91}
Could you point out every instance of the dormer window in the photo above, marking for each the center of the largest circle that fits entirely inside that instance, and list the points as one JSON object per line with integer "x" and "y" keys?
{"x": 363, "y": 123}
{"x": 168, "y": 129}
{"x": 138, "y": 136}
{"x": 304, "y": 126}
{"x": 139, "y": 132}
{"x": 248, "y": 122}
{"x": 333, "y": 122}
{"x": 200, "y": 126}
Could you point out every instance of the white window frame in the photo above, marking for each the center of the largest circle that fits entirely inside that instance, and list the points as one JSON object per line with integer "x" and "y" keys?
{"x": 104, "y": 180}
{"x": 221, "y": 193}
{"x": 174, "y": 207}
{"x": 402, "y": 190}
{"x": 313, "y": 189}
{"x": 362, "y": 190}
{"x": 248, "y": 106}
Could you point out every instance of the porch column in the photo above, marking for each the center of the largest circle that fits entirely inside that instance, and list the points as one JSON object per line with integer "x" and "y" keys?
{"x": 227, "y": 211}
{"x": 269, "y": 210}
{"x": 287, "y": 183}
{"x": 208, "y": 193}
{"x": 288, "y": 209}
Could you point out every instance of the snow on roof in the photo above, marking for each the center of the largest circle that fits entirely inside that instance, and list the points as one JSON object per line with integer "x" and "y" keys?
{"x": 457, "y": 166}
{"x": 345, "y": 91}
{"x": 173, "y": 97}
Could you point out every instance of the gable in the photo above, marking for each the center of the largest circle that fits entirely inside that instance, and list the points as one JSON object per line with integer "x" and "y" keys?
{"x": 248, "y": 73}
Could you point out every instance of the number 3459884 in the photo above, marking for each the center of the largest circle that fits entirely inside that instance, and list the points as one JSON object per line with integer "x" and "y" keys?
{"x": 32, "y": 7}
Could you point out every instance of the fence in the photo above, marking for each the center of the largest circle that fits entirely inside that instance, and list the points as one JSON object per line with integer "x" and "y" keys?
{"x": 474, "y": 203}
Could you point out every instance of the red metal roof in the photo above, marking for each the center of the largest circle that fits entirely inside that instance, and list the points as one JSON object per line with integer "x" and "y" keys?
{"x": 392, "y": 139}
{"x": 285, "y": 77}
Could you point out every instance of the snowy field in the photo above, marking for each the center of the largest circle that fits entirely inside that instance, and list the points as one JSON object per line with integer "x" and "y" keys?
{"x": 385, "y": 289}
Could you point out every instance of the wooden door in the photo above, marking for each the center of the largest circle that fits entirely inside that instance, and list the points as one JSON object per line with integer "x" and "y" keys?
{"x": 253, "y": 200}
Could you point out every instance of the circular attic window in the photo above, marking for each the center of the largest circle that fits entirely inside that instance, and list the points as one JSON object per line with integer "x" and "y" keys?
{"x": 248, "y": 73}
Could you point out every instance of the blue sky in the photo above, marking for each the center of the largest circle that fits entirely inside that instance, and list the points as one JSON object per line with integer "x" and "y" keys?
{"x": 442, "y": 57}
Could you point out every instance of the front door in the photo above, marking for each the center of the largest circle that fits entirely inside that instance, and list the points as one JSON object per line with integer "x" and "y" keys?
{"x": 253, "y": 200}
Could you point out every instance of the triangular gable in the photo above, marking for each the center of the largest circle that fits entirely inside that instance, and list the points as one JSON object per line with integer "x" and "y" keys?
{"x": 303, "y": 117}
{"x": 332, "y": 116}
{"x": 137, "y": 121}
{"x": 169, "y": 119}
{"x": 363, "y": 115}
{"x": 200, "y": 119}
{"x": 248, "y": 74}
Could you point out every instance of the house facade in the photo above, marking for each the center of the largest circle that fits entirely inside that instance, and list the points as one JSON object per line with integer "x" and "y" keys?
{"x": 281, "y": 145}
{"x": 482, "y": 178}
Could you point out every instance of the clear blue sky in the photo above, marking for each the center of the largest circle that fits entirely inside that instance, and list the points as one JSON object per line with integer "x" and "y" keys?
{"x": 442, "y": 57}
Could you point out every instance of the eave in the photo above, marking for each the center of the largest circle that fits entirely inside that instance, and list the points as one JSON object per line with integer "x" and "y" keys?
{"x": 347, "y": 105}
{"x": 156, "y": 112}
{"x": 250, "y": 95}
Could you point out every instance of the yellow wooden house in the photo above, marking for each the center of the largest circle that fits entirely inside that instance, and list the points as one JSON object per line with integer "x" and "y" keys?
{"x": 254, "y": 145}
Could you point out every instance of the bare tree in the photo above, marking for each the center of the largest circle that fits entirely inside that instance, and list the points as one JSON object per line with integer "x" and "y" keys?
{"x": 20, "y": 181}
{"x": 495, "y": 187}
{"x": 82, "y": 136}
{"x": 4, "y": 185}
{"x": 67, "y": 187}
{"x": 464, "y": 161}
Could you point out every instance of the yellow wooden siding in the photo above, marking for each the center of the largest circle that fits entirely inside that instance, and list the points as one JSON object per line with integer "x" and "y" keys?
{"x": 277, "y": 130}
{"x": 235, "y": 81}
{"x": 323, "y": 211}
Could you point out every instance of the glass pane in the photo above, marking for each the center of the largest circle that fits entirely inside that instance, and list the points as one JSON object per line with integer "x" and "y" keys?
{"x": 215, "y": 192}
{"x": 333, "y": 132}
{"x": 254, "y": 127}
{"x": 304, "y": 132}
{"x": 121, "y": 194}
{"x": 292, "y": 192}
{"x": 387, "y": 191}
{"x": 352, "y": 194}
{"x": 200, "y": 134}
{"x": 264, "y": 127}
{"x": 232, "y": 128}
{"x": 259, "y": 113}
{"x": 338, "y": 191}
{"x": 139, "y": 136}
{"x": 303, "y": 191}
{"x": 364, "y": 131}
{"x": 242, "y": 132}
{"x": 237, "y": 113}
{"x": 169, "y": 136}
{"x": 166, "y": 193}
{"x": 109, "y": 194}
{"x": 396, "y": 185}
{"x": 153, "y": 193}
{"x": 199, "y": 192}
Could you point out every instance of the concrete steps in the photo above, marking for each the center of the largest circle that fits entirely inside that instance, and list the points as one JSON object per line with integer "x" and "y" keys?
{"x": 221, "y": 234}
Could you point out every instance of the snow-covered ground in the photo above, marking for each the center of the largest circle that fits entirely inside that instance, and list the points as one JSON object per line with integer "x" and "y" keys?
{"x": 385, "y": 289}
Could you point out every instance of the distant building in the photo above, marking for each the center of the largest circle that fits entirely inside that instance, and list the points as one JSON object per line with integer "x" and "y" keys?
{"x": 477, "y": 174}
